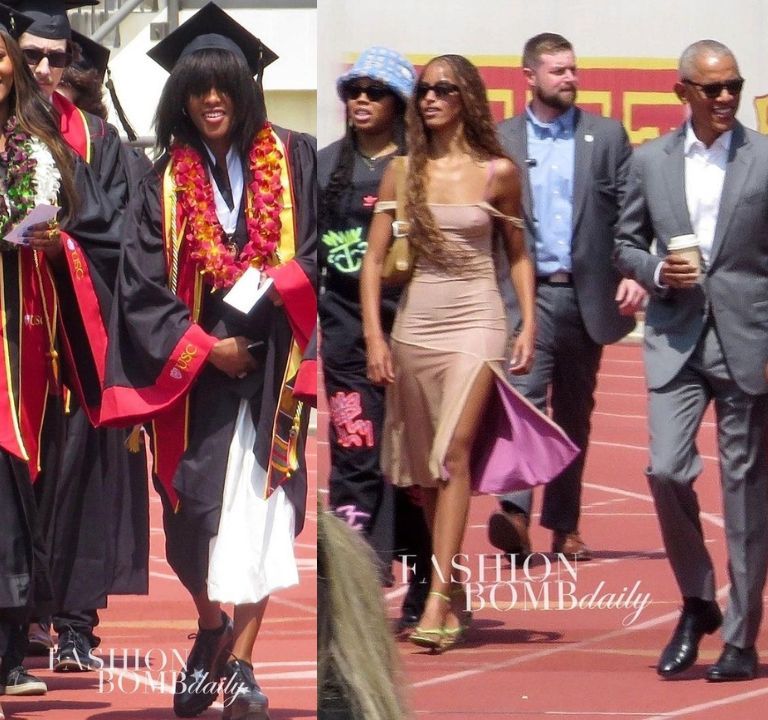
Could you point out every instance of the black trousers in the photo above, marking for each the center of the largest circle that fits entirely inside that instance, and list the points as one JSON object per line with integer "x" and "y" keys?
{"x": 82, "y": 621}
{"x": 13, "y": 640}
{"x": 359, "y": 493}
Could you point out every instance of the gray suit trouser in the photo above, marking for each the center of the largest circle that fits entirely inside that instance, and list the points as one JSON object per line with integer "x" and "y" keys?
{"x": 565, "y": 366}
{"x": 675, "y": 412}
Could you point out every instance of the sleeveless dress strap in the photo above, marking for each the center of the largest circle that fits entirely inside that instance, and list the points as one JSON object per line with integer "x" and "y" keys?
{"x": 516, "y": 221}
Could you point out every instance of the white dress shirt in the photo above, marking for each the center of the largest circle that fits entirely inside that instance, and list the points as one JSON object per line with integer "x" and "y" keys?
{"x": 228, "y": 218}
{"x": 704, "y": 176}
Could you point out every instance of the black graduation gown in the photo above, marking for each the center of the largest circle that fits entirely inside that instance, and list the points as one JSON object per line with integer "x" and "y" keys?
{"x": 96, "y": 511}
{"x": 24, "y": 577}
{"x": 148, "y": 321}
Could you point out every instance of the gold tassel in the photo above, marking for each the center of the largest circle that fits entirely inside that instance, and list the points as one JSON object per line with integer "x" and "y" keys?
{"x": 293, "y": 450}
{"x": 53, "y": 356}
{"x": 133, "y": 441}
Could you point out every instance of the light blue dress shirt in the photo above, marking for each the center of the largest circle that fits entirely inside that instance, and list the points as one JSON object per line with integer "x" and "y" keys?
{"x": 551, "y": 150}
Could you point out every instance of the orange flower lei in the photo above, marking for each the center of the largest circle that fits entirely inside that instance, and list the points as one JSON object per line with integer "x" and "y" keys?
{"x": 219, "y": 263}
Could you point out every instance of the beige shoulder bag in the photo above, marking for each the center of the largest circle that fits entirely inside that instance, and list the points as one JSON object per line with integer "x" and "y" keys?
{"x": 398, "y": 263}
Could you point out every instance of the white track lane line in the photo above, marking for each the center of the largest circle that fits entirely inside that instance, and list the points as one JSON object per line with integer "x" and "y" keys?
{"x": 704, "y": 423}
{"x": 627, "y": 446}
{"x": 691, "y": 709}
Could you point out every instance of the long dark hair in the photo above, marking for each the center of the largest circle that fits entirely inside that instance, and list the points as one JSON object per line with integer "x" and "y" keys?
{"x": 87, "y": 87}
{"x": 37, "y": 117}
{"x": 481, "y": 139}
{"x": 196, "y": 74}
{"x": 341, "y": 176}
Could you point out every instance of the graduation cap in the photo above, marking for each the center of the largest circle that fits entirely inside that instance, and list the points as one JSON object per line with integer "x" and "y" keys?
{"x": 49, "y": 17}
{"x": 12, "y": 22}
{"x": 211, "y": 28}
{"x": 94, "y": 54}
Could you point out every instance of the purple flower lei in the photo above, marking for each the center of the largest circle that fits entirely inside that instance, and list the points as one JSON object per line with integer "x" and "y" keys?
{"x": 17, "y": 190}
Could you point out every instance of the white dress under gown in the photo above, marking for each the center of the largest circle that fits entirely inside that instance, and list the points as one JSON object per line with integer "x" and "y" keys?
{"x": 252, "y": 554}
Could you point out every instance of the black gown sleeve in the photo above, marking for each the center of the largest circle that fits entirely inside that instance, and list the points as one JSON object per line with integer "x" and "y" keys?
{"x": 150, "y": 328}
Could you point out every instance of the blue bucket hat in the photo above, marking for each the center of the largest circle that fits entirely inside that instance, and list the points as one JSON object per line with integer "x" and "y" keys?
{"x": 384, "y": 65}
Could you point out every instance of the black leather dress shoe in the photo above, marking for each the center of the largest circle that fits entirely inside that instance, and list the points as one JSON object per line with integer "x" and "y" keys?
{"x": 198, "y": 685}
{"x": 508, "y": 531}
{"x": 699, "y": 617}
{"x": 243, "y": 698}
{"x": 734, "y": 664}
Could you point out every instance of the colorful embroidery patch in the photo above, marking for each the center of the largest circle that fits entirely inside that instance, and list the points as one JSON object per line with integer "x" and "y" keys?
{"x": 346, "y": 249}
{"x": 351, "y": 429}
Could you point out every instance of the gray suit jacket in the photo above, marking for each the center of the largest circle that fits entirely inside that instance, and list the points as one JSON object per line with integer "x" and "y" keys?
{"x": 734, "y": 288}
{"x": 601, "y": 163}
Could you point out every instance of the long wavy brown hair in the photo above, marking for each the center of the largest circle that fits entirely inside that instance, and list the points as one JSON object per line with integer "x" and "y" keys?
{"x": 40, "y": 119}
{"x": 482, "y": 141}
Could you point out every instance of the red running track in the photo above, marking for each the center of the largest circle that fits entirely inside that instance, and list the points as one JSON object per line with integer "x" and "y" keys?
{"x": 528, "y": 661}
{"x": 520, "y": 661}
{"x": 144, "y": 640}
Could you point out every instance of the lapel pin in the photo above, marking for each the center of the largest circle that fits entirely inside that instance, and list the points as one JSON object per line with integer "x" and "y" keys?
{"x": 589, "y": 138}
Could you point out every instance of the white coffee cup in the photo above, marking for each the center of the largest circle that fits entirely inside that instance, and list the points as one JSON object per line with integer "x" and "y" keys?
{"x": 686, "y": 246}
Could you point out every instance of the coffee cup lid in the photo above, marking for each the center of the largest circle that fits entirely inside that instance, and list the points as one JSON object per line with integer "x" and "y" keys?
{"x": 681, "y": 242}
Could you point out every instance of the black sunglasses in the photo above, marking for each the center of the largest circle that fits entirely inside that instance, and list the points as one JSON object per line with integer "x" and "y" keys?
{"x": 713, "y": 90}
{"x": 56, "y": 58}
{"x": 441, "y": 89}
{"x": 374, "y": 93}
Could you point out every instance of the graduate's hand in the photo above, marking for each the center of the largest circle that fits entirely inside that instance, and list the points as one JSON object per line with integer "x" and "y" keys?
{"x": 231, "y": 356}
{"x": 45, "y": 236}
{"x": 380, "y": 369}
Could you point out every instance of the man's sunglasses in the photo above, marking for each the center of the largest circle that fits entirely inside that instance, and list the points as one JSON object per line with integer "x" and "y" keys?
{"x": 56, "y": 58}
{"x": 713, "y": 90}
{"x": 374, "y": 93}
{"x": 441, "y": 89}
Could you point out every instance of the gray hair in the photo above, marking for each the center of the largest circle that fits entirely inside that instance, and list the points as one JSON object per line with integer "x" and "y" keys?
{"x": 687, "y": 65}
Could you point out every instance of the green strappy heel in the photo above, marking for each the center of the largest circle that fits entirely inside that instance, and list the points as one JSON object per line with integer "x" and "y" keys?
{"x": 430, "y": 638}
{"x": 456, "y": 635}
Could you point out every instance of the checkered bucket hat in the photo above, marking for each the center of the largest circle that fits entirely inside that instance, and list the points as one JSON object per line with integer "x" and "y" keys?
{"x": 384, "y": 65}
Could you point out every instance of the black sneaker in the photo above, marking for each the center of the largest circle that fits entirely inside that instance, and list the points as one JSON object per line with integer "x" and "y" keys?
{"x": 243, "y": 698}
{"x": 19, "y": 682}
{"x": 197, "y": 686}
{"x": 74, "y": 653}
